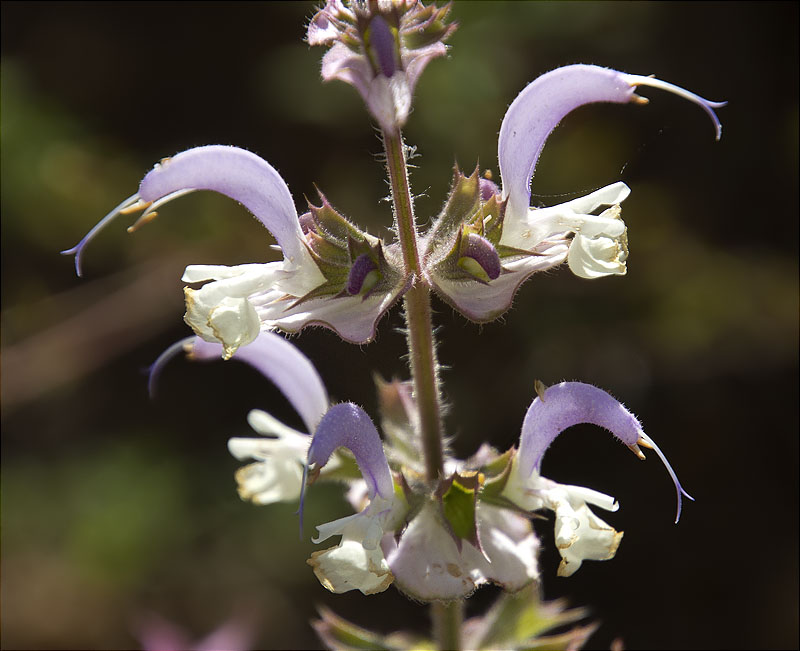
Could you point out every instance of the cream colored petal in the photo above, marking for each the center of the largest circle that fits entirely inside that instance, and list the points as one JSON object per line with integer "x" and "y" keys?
{"x": 273, "y": 480}
{"x": 349, "y": 566}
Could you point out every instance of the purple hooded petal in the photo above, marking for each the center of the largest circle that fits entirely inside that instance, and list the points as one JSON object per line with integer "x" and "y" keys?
{"x": 231, "y": 171}
{"x": 274, "y": 357}
{"x": 238, "y": 174}
{"x": 347, "y": 425}
{"x": 539, "y": 108}
{"x": 570, "y": 403}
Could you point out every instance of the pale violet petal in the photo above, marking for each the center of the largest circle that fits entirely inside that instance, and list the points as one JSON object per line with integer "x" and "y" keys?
{"x": 536, "y": 111}
{"x": 564, "y": 405}
{"x": 242, "y": 176}
{"x": 484, "y": 302}
{"x": 426, "y": 563}
{"x": 569, "y": 403}
{"x": 347, "y": 425}
{"x": 353, "y": 318}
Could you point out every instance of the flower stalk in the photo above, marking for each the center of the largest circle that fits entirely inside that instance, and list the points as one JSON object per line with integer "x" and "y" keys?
{"x": 417, "y": 302}
{"x": 447, "y": 618}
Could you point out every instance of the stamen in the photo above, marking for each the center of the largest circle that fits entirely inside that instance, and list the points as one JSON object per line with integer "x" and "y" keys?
{"x": 635, "y": 449}
{"x": 77, "y": 250}
{"x": 707, "y": 105}
{"x": 150, "y": 213}
{"x": 647, "y": 441}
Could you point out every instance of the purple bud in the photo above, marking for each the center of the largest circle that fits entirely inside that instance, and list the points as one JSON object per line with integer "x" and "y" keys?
{"x": 307, "y": 223}
{"x": 488, "y": 189}
{"x": 478, "y": 248}
{"x": 362, "y": 267}
{"x": 384, "y": 47}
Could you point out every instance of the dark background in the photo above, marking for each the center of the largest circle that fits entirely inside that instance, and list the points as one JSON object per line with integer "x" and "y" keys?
{"x": 114, "y": 505}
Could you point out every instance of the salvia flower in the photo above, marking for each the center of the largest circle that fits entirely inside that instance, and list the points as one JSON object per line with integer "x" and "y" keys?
{"x": 380, "y": 47}
{"x": 580, "y": 534}
{"x": 331, "y": 274}
{"x": 480, "y": 278}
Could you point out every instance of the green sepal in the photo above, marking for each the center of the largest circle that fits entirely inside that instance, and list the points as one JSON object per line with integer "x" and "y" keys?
{"x": 461, "y": 207}
{"x": 433, "y": 29}
{"x": 332, "y": 225}
{"x": 458, "y": 495}
{"x": 340, "y": 635}
{"x": 498, "y": 472}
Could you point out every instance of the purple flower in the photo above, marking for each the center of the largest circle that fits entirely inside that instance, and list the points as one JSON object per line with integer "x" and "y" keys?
{"x": 587, "y": 232}
{"x": 321, "y": 280}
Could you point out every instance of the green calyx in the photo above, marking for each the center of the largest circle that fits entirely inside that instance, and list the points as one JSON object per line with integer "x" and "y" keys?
{"x": 352, "y": 261}
{"x": 426, "y": 26}
{"x": 464, "y": 242}
{"x": 458, "y": 495}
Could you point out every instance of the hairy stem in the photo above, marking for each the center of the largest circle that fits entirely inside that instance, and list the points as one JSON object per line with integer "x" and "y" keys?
{"x": 422, "y": 353}
{"x": 417, "y": 301}
{"x": 447, "y": 620}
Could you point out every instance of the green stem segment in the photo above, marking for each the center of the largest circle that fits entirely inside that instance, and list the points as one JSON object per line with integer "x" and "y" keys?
{"x": 417, "y": 301}
{"x": 447, "y": 619}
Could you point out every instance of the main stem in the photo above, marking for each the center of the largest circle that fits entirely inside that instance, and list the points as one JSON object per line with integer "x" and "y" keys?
{"x": 417, "y": 301}
{"x": 447, "y": 619}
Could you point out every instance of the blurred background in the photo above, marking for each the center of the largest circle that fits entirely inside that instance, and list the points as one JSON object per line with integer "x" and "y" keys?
{"x": 116, "y": 507}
